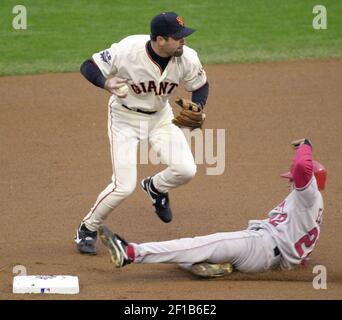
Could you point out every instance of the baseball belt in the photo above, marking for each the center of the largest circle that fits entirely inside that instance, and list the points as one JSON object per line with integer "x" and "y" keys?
{"x": 139, "y": 110}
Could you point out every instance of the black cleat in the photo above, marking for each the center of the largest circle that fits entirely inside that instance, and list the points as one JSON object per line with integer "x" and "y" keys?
{"x": 85, "y": 240}
{"x": 116, "y": 245}
{"x": 160, "y": 200}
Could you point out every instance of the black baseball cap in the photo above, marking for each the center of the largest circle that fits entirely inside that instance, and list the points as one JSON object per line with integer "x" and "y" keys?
{"x": 169, "y": 24}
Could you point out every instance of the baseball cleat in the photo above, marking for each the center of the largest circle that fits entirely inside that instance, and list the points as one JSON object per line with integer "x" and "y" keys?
{"x": 116, "y": 245}
{"x": 211, "y": 270}
{"x": 85, "y": 240}
{"x": 160, "y": 200}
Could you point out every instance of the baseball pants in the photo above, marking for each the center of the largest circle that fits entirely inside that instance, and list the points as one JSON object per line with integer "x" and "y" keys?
{"x": 248, "y": 250}
{"x": 126, "y": 129}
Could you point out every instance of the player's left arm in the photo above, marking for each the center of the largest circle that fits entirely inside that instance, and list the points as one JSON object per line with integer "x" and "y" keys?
{"x": 195, "y": 78}
{"x": 302, "y": 172}
{"x": 200, "y": 96}
{"x": 195, "y": 81}
{"x": 302, "y": 168}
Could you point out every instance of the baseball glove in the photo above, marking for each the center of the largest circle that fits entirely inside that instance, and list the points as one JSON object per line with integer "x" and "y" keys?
{"x": 191, "y": 115}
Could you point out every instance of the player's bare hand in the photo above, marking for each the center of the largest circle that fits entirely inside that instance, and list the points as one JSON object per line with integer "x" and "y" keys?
{"x": 296, "y": 143}
{"x": 117, "y": 86}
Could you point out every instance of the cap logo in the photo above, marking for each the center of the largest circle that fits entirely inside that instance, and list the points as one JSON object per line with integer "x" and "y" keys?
{"x": 180, "y": 21}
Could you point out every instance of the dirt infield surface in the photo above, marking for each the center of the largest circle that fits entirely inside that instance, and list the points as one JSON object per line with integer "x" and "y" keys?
{"x": 54, "y": 160}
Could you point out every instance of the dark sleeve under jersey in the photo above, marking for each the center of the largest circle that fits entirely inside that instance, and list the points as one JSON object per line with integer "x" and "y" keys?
{"x": 200, "y": 95}
{"x": 92, "y": 73}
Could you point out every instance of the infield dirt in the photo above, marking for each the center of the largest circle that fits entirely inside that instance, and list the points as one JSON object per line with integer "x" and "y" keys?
{"x": 54, "y": 160}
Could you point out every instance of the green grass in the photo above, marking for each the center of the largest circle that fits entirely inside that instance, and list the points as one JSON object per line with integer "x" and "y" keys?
{"x": 63, "y": 33}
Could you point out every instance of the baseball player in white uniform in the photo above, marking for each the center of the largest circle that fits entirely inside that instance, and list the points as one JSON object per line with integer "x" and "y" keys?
{"x": 285, "y": 239}
{"x": 141, "y": 72}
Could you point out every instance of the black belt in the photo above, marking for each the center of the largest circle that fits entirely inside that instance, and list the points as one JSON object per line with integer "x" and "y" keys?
{"x": 139, "y": 110}
{"x": 276, "y": 251}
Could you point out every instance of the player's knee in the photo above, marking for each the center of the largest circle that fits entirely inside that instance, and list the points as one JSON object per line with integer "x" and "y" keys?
{"x": 120, "y": 193}
{"x": 191, "y": 171}
{"x": 125, "y": 190}
{"x": 186, "y": 172}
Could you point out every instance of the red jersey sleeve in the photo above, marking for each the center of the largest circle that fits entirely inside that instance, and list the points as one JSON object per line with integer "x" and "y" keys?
{"x": 302, "y": 168}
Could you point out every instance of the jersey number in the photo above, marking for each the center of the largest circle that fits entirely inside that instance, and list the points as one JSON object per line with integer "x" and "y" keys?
{"x": 308, "y": 240}
{"x": 279, "y": 218}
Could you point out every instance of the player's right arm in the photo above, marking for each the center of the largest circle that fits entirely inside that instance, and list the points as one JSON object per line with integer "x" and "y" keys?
{"x": 92, "y": 73}
{"x": 100, "y": 71}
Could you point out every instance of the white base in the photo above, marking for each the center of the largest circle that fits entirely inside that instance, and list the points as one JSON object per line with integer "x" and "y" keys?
{"x": 46, "y": 284}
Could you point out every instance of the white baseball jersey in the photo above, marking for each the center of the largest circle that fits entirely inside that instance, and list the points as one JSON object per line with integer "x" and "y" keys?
{"x": 295, "y": 224}
{"x": 149, "y": 89}
{"x": 149, "y": 86}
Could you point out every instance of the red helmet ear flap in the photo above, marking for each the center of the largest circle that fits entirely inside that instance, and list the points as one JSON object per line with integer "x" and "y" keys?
{"x": 320, "y": 174}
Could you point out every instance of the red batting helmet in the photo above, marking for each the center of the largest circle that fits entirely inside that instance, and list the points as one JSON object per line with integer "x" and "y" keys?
{"x": 319, "y": 171}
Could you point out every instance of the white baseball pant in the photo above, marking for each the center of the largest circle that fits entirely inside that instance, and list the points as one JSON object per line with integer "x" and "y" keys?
{"x": 248, "y": 250}
{"x": 125, "y": 129}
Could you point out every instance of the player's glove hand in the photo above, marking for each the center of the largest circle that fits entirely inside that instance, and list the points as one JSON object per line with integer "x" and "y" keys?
{"x": 191, "y": 115}
{"x": 296, "y": 143}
